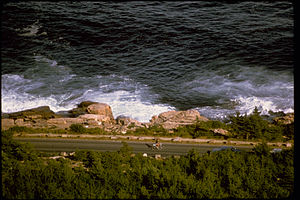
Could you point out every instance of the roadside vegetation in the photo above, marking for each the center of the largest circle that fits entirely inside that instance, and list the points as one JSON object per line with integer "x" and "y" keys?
{"x": 240, "y": 127}
{"x": 119, "y": 175}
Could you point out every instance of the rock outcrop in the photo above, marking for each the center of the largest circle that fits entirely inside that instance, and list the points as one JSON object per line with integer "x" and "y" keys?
{"x": 101, "y": 109}
{"x": 173, "y": 119}
{"x": 63, "y": 123}
{"x": 81, "y": 108}
{"x": 7, "y": 123}
{"x": 87, "y": 112}
{"x": 42, "y": 112}
{"x": 126, "y": 123}
{"x": 35, "y": 117}
{"x": 286, "y": 119}
{"x": 94, "y": 119}
{"x": 94, "y": 114}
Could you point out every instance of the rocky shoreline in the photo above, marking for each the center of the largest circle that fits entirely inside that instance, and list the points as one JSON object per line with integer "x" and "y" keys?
{"x": 95, "y": 114}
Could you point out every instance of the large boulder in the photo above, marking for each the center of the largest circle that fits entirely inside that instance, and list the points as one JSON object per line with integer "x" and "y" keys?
{"x": 173, "y": 119}
{"x": 88, "y": 110}
{"x": 100, "y": 109}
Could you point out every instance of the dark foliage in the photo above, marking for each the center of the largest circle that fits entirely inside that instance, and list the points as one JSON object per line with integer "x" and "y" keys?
{"x": 254, "y": 126}
{"x": 77, "y": 128}
{"x": 119, "y": 175}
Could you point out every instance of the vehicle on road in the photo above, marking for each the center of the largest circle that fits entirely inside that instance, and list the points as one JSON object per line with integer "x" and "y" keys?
{"x": 224, "y": 148}
{"x": 157, "y": 146}
{"x": 276, "y": 150}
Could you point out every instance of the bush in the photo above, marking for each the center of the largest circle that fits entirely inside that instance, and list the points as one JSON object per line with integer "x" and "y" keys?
{"x": 200, "y": 128}
{"x": 152, "y": 130}
{"x": 20, "y": 129}
{"x": 96, "y": 131}
{"x": 77, "y": 128}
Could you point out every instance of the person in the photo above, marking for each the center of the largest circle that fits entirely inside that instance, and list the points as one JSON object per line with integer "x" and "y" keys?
{"x": 157, "y": 144}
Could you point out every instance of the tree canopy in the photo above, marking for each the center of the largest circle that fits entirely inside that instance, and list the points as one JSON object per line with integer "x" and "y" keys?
{"x": 108, "y": 175}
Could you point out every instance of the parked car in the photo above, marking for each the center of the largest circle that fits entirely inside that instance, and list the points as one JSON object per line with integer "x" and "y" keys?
{"x": 276, "y": 150}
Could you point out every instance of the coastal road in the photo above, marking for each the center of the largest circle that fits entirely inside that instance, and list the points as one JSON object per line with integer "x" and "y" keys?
{"x": 71, "y": 145}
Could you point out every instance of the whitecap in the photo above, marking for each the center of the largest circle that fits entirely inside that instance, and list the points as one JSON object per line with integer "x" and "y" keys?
{"x": 30, "y": 30}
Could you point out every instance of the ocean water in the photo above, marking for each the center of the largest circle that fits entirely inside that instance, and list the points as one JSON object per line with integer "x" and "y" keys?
{"x": 143, "y": 58}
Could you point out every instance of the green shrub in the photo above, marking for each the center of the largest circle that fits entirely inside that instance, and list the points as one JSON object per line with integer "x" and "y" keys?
{"x": 96, "y": 131}
{"x": 200, "y": 128}
{"x": 288, "y": 131}
{"x": 253, "y": 126}
{"x": 152, "y": 130}
{"x": 77, "y": 128}
{"x": 20, "y": 129}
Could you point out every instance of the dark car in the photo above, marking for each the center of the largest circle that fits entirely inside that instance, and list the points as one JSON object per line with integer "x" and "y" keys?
{"x": 224, "y": 148}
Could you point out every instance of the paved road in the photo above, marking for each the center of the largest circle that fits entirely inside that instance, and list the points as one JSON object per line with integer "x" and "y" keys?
{"x": 70, "y": 145}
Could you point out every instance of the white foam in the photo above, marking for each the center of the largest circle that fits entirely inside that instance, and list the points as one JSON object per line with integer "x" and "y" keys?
{"x": 15, "y": 98}
{"x": 264, "y": 104}
{"x": 215, "y": 112}
{"x": 15, "y": 103}
{"x": 30, "y": 30}
{"x": 246, "y": 105}
{"x": 242, "y": 89}
{"x": 127, "y": 97}
{"x": 128, "y": 104}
